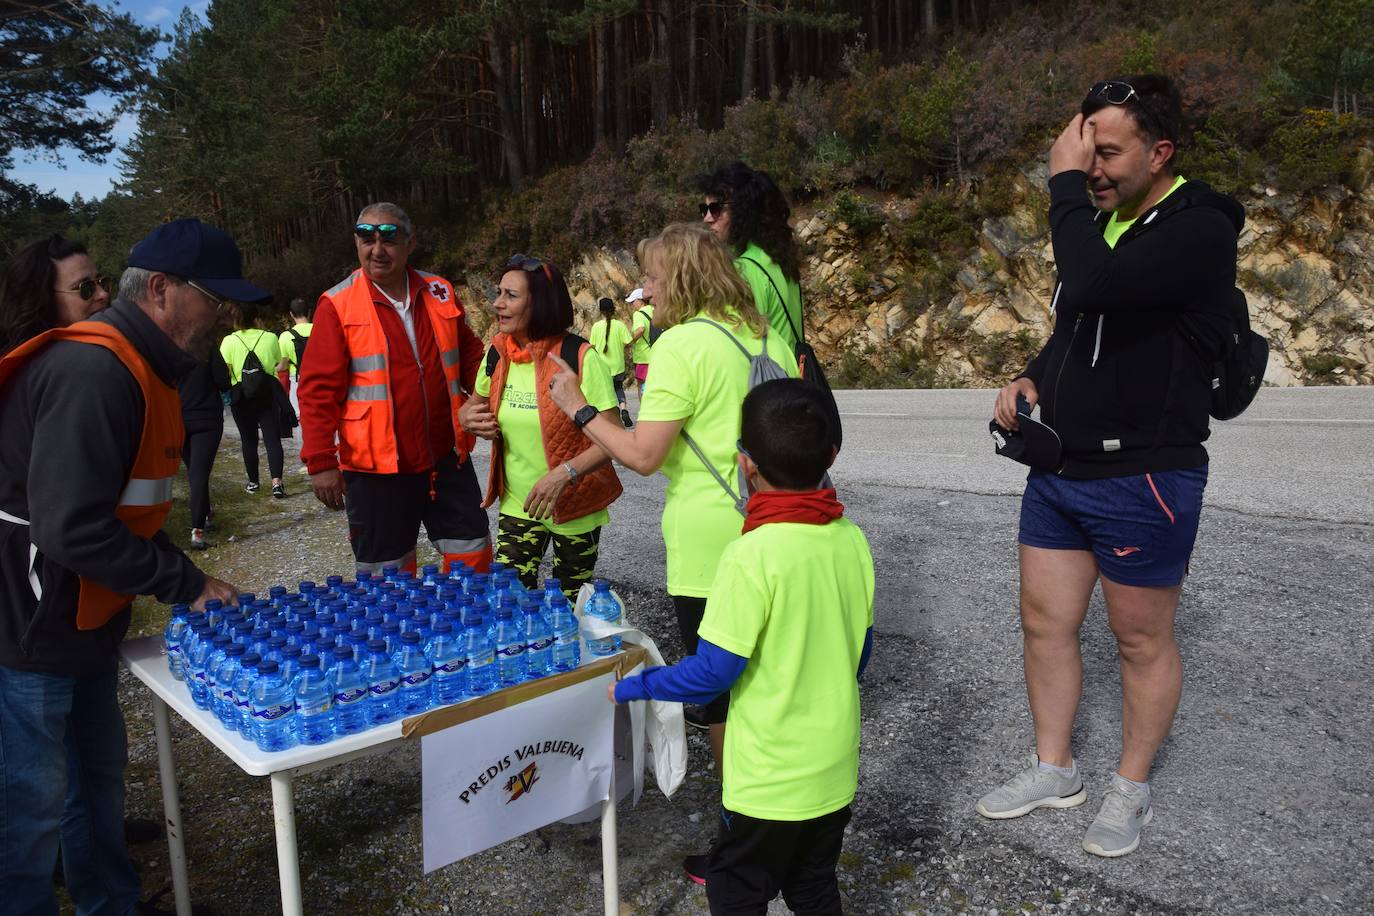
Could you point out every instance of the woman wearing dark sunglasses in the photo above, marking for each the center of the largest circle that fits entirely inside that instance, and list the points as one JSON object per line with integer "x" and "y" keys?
{"x": 47, "y": 284}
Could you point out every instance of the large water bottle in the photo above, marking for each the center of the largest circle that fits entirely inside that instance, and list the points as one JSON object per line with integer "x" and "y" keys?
{"x": 538, "y": 638}
{"x": 416, "y": 693}
{"x": 223, "y": 701}
{"x": 243, "y": 693}
{"x": 350, "y": 692}
{"x": 567, "y": 648}
{"x": 510, "y": 647}
{"x": 481, "y": 657}
{"x": 274, "y": 710}
{"x": 382, "y": 683}
{"x": 314, "y": 702}
{"x": 196, "y": 664}
{"x": 449, "y": 660}
{"x": 171, "y": 640}
{"x": 604, "y": 605}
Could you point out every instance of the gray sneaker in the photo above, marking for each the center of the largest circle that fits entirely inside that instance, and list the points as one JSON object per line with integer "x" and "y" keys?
{"x": 1031, "y": 789}
{"x": 1116, "y": 829}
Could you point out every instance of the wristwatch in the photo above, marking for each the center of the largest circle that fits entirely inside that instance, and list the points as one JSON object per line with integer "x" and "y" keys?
{"x": 585, "y": 414}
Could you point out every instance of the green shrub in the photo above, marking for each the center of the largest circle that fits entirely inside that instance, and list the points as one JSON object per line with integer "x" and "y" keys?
{"x": 1315, "y": 149}
{"x": 862, "y": 218}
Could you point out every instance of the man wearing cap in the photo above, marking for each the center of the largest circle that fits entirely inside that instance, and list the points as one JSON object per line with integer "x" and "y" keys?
{"x": 1147, "y": 269}
{"x": 391, "y": 361}
{"x": 92, "y": 441}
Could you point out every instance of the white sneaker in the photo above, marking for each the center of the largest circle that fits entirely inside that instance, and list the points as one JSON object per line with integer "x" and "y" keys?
{"x": 1116, "y": 829}
{"x": 1031, "y": 789}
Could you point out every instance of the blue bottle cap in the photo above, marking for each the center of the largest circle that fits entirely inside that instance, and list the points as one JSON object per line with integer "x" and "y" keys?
{"x": 214, "y": 604}
{"x": 291, "y": 652}
{"x": 267, "y": 667}
{"x": 342, "y": 652}
{"x": 442, "y": 626}
{"x": 410, "y": 638}
{"x": 376, "y": 645}
{"x": 276, "y": 642}
{"x": 309, "y": 660}
{"x": 250, "y": 659}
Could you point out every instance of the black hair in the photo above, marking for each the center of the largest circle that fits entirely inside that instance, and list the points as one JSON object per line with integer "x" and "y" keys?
{"x": 300, "y": 308}
{"x": 786, "y": 430}
{"x": 551, "y": 310}
{"x": 758, "y": 213}
{"x": 27, "y": 308}
{"x": 607, "y": 307}
{"x": 1156, "y": 107}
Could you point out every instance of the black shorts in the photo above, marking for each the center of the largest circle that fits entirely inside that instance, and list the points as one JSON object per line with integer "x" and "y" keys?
{"x": 754, "y": 859}
{"x": 385, "y": 512}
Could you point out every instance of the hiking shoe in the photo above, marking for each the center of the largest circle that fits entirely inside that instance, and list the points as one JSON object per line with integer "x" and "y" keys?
{"x": 695, "y": 867}
{"x": 252, "y": 487}
{"x": 278, "y": 491}
{"x": 198, "y": 541}
{"x": 1031, "y": 789}
{"x": 1116, "y": 829}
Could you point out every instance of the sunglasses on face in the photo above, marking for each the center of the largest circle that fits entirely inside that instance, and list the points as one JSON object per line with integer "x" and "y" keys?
{"x": 388, "y": 232}
{"x": 87, "y": 287}
{"x": 531, "y": 264}
{"x": 715, "y": 208}
{"x": 1115, "y": 92}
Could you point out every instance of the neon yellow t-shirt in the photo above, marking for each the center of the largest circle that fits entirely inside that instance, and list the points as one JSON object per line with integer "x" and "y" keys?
{"x": 522, "y": 441}
{"x": 642, "y": 318}
{"x": 778, "y": 314}
{"x": 796, "y": 601}
{"x": 234, "y": 348}
{"x": 1117, "y": 228}
{"x": 698, "y": 375}
{"x": 286, "y": 343}
{"x": 614, "y": 352}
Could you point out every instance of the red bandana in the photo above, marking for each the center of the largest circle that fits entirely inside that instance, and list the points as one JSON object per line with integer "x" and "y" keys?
{"x": 812, "y": 507}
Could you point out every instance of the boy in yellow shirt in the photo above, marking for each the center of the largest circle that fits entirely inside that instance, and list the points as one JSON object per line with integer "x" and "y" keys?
{"x": 787, "y": 631}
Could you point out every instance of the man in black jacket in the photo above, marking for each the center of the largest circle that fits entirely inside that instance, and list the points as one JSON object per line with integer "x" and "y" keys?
{"x": 1143, "y": 256}
{"x": 86, "y": 413}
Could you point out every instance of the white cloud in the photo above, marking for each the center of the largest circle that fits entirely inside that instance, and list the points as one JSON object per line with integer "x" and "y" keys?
{"x": 157, "y": 14}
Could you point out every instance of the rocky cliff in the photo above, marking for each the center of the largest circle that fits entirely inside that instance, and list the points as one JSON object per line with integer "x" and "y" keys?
{"x": 882, "y": 313}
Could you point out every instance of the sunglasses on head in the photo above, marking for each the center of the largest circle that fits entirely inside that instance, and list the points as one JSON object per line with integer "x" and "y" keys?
{"x": 1115, "y": 92}
{"x": 715, "y": 208}
{"x": 389, "y": 232}
{"x": 529, "y": 263}
{"x": 87, "y": 287}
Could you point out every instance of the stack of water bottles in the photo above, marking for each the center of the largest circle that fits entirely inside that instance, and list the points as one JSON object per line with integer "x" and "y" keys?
{"x": 321, "y": 662}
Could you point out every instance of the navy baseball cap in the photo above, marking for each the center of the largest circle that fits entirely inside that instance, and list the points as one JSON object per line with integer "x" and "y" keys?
{"x": 1033, "y": 443}
{"x": 193, "y": 250}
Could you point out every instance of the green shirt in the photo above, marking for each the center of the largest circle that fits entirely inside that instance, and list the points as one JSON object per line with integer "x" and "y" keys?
{"x": 699, "y": 376}
{"x": 287, "y": 343}
{"x": 796, "y": 601}
{"x": 642, "y": 318}
{"x": 235, "y": 347}
{"x": 778, "y": 313}
{"x": 614, "y": 352}
{"x": 522, "y": 440}
{"x": 1117, "y": 228}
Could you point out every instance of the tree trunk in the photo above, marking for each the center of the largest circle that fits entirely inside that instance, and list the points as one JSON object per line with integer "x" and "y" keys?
{"x": 505, "y": 111}
{"x": 751, "y": 26}
{"x": 770, "y": 58}
{"x": 531, "y": 92}
{"x": 691, "y": 106}
{"x": 622, "y": 84}
{"x": 662, "y": 85}
{"x": 974, "y": 20}
{"x": 928, "y": 19}
{"x": 601, "y": 54}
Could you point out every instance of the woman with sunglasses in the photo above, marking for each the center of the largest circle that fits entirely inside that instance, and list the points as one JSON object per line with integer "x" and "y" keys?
{"x": 47, "y": 284}
{"x": 749, "y": 213}
{"x": 553, "y": 483}
{"x": 700, "y": 379}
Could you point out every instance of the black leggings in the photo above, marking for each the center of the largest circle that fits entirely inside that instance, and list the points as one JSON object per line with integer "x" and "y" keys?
{"x": 248, "y": 418}
{"x": 619, "y": 382}
{"x": 198, "y": 454}
{"x": 689, "y": 612}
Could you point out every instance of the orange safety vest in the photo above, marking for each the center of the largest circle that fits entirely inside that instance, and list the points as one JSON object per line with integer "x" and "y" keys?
{"x": 147, "y": 495}
{"x": 563, "y": 441}
{"x": 367, "y": 439}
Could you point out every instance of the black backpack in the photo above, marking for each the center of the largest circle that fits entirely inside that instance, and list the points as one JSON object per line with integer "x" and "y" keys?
{"x": 655, "y": 332}
{"x": 253, "y": 379}
{"x": 300, "y": 341}
{"x": 807, "y": 361}
{"x": 1237, "y": 370}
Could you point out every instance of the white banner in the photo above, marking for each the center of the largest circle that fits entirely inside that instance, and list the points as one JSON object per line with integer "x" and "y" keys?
{"x": 512, "y": 771}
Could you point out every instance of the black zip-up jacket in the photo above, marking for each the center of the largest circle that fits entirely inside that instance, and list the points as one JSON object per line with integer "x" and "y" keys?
{"x": 1117, "y": 380}
{"x": 202, "y": 409}
{"x": 72, "y": 417}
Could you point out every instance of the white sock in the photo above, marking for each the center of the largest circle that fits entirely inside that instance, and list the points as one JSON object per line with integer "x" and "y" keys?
{"x": 1130, "y": 783}
{"x": 1066, "y": 772}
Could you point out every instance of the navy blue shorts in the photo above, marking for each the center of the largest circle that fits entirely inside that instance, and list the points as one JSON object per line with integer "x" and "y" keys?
{"x": 1140, "y": 529}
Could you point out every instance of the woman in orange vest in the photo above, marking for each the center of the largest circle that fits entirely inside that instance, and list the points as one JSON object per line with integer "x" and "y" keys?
{"x": 553, "y": 483}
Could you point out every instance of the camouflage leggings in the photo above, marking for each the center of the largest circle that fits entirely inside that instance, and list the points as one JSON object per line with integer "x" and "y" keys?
{"x": 521, "y": 543}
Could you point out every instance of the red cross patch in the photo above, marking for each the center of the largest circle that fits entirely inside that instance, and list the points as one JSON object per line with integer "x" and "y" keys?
{"x": 438, "y": 291}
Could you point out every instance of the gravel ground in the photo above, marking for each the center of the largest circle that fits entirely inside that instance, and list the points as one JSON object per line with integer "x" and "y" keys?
{"x": 1262, "y": 803}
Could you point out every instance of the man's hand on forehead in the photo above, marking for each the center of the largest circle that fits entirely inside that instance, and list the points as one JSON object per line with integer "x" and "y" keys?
{"x": 1075, "y": 147}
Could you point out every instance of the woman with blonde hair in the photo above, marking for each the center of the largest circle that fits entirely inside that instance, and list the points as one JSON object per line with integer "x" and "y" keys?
{"x": 700, "y": 379}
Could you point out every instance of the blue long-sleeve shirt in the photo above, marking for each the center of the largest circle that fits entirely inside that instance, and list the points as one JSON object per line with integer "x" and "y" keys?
{"x": 698, "y": 679}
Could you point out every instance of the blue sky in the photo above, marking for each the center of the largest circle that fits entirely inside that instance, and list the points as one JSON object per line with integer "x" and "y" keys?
{"x": 69, "y": 174}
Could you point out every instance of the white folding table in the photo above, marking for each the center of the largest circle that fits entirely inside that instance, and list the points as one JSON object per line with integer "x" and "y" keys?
{"x": 147, "y": 662}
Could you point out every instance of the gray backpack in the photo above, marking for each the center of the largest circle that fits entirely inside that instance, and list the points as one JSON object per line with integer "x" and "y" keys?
{"x": 762, "y": 368}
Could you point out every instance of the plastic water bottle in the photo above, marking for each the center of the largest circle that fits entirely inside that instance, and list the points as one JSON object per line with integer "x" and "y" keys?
{"x": 416, "y": 693}
{"x": 224, "y": 703}
{"x": 552, "y": 587}
{"x": 382, "y": 683}
{"x": 243, "y": 693}
{"x": 430, "y": 573}
{"x": 449, "y": 660}
{"x": 603, "y": 604}
{"x": 274, "y": 710}
{"x": 218, "y": 643}
{"x": 171, "y": 640}
{"x": 510, "y": 647}
{"x": 214, "y": 611}
{"x": 481, "y": 657}
{"x": 350, "y": 693}
{"x": 314, "y": 702}
{"x": 538, "y": 639}
{"x": 567, "y": 648}
{"x": 290, "y": 662}
{"x": 196, "y": 665}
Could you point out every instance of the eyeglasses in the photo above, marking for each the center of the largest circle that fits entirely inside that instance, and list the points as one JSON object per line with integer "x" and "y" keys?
{"x": 218, "y": 302}
{"x": 1115, "y": 92}
{"x": 739, "y": 447}
{"x": 715, "y": 208}
{"x": 389, "y": 232}
{"x": 87, "y": 287}
{"x": 531, "y": 264}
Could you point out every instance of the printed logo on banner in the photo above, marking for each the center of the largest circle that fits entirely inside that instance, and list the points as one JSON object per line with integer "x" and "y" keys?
{"x": 521, "y": 783}
{"x": 521, "y": 754}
